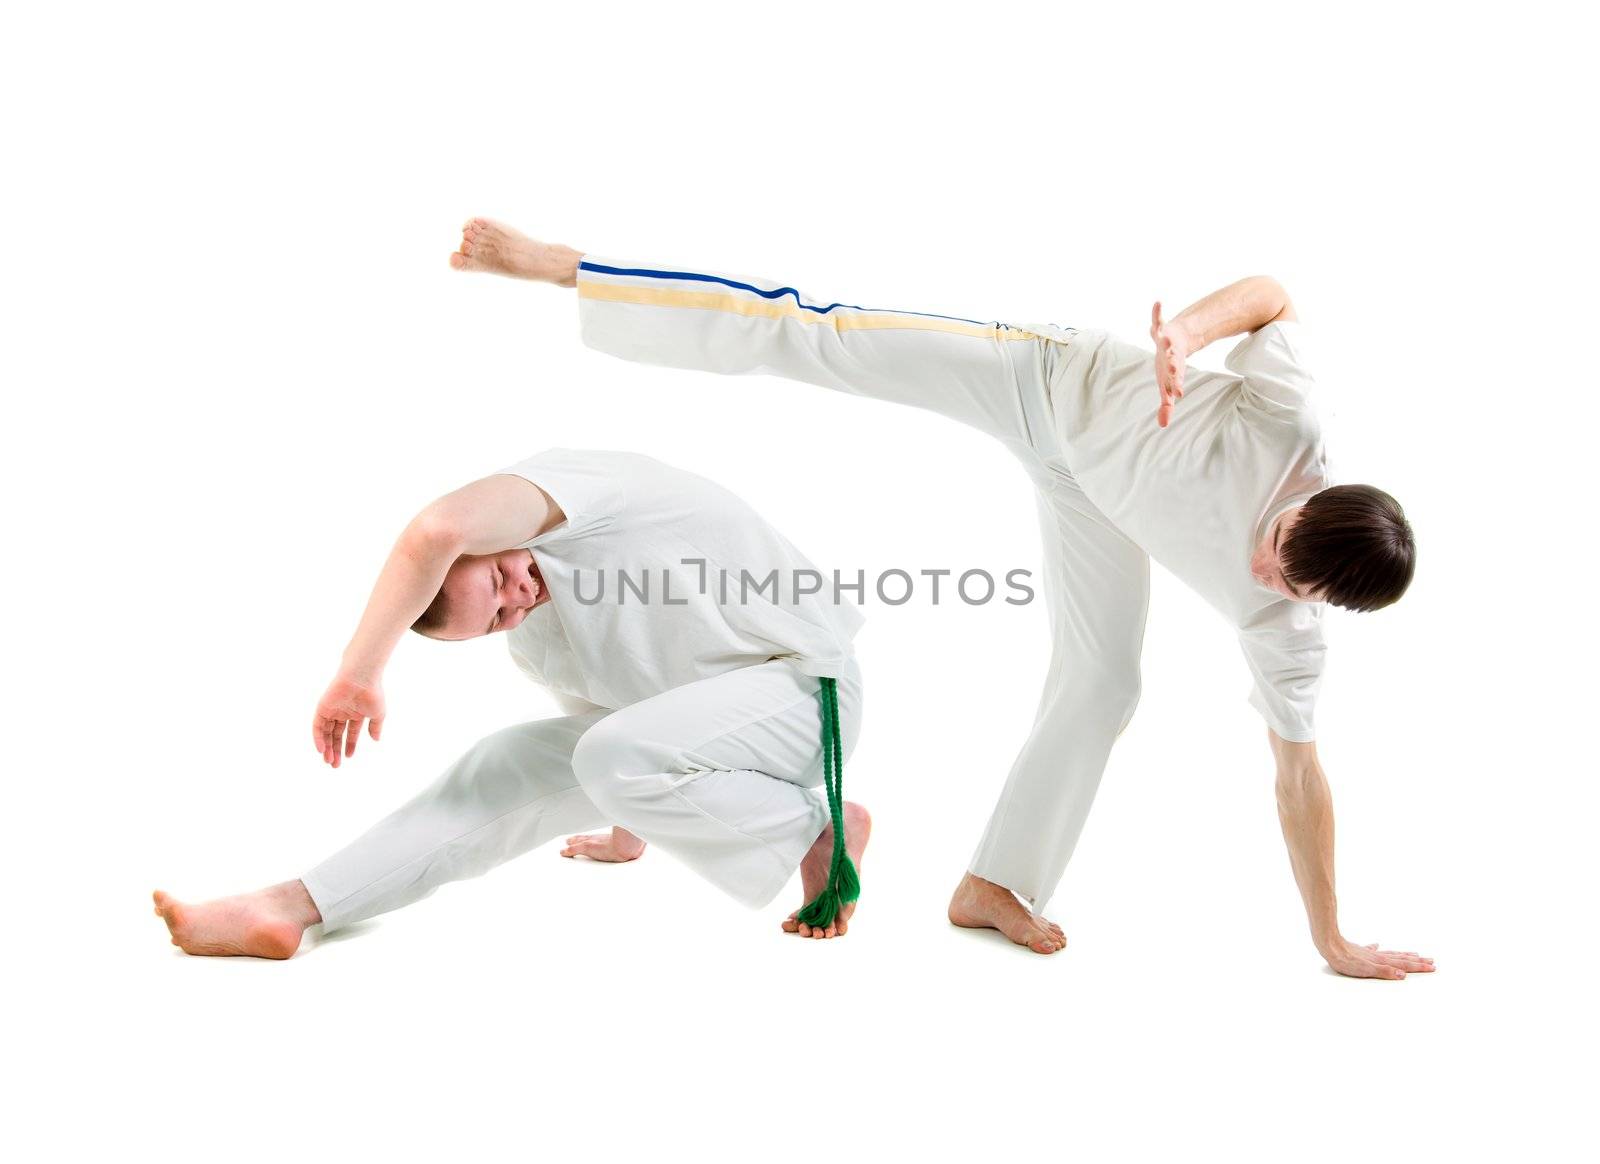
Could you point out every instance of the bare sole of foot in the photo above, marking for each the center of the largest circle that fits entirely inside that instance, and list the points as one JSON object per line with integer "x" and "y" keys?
{"x": 487, "y": 245}
{"x": 983, "y": 905}
{"x": 268, "y": 924}
{"x": 814, "y": 871}
{"x": 615, "y": 847}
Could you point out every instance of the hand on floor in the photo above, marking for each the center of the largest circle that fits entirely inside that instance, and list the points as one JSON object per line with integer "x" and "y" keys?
{"x": 1371, "y": 962}
{"x": 616, "y": 846}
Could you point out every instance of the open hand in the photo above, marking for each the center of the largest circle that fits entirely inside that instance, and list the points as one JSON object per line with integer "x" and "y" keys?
{"x": 1172, "y": 355}
{"x": 336, "y": 726}
{"x": 1371, "y": 962}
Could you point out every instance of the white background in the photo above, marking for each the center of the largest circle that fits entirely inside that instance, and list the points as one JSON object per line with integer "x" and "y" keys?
{"x": 236, "y": 361}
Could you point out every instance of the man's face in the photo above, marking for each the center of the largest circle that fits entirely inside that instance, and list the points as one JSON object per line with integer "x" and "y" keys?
{"x": 1267, "y": 566}
{"x": 491, "y": 592}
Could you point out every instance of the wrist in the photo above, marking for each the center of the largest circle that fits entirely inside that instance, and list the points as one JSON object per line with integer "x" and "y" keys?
{"x": 1184, "y": 336}
{"x": 1328, "y": 942}
{"x": 360, "y": 668}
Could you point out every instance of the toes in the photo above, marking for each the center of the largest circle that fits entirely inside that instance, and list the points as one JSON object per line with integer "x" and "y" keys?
{"x": 1047, "y": 939}
{"x": 457, "y": 260}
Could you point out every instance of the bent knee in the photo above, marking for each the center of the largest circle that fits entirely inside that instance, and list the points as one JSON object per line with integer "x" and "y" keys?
{"x": 511, "y": 758}
{"x": 608, "y": 761}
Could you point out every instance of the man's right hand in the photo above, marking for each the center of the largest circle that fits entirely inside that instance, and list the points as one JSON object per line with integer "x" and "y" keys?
{"x": 336, "y": 726}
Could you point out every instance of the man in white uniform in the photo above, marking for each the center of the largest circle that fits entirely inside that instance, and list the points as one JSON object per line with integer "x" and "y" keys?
{"x": 1231, "y": 492}
{"x": 714, "y": 678}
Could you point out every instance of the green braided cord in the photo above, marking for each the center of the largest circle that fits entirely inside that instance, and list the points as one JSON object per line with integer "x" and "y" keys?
{"x": 843, "y": 885}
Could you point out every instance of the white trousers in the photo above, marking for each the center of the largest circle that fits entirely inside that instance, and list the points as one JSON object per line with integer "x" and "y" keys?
{"x": 717, "y": 773}
{"x": 995, "y": 378}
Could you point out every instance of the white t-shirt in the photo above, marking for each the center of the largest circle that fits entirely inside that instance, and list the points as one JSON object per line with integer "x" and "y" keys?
{"x": 1199, "y": 495}
{"x": 659, "y": 578}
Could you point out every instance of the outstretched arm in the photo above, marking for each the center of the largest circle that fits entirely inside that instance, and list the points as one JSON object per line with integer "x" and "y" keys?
{"x": 1239, "y": 307}
{"x": 1305, "y": 810}
{"x": 481, "y": 518}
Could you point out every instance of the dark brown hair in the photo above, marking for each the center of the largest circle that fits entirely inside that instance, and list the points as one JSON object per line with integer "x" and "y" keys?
{"x": 1353, "y": 543}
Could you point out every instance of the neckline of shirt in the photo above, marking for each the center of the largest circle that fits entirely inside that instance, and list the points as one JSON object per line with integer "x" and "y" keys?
{"x": 1275, "y": 512}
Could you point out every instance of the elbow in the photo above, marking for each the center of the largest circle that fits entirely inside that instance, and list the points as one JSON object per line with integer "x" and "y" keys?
{"x": 1276, "y": 297}
{"x": 434, "y": 533}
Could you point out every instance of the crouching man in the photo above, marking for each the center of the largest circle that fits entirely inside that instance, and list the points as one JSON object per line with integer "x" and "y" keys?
{"x": 716, "y": 679}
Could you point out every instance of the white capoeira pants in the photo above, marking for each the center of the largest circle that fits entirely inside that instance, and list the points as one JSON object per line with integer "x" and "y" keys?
{"x": 717, "y": 773}
{"x": 996, "y": 378}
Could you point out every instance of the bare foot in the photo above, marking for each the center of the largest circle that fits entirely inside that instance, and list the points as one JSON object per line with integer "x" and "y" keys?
{"x": 267, "y": 924}
{"x": 983, "y": 905}
{"x": 814, "y": 871}
{"x": 616, "y": 846}
{"x": 487, "y": 245}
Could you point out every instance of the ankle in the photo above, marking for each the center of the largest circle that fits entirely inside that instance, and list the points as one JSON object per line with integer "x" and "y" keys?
{"x": 293, "y": 899}
{"x": 564, "y": 265}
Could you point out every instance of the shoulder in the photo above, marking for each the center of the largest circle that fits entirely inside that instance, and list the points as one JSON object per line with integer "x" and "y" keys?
{"x": 588, "y": 485}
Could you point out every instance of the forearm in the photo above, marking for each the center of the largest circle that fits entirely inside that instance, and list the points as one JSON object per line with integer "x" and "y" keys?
{"x": 1305, "y": 811}
{"x": 411, "y": 577}
{"x": 1247, "y": 305}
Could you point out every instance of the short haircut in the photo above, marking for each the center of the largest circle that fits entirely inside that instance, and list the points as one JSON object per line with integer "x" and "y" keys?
{"x": 1353, "y": 543}
{"x": 433, "y": 620}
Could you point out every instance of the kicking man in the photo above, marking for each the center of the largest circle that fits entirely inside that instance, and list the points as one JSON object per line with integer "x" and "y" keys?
{"x": 717, "y": 683}
{"x": 1230, "y": 491}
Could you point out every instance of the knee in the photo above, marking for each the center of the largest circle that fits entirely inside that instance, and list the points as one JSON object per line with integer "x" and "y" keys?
{"x": 506, "y": 760}
{"x": 1102, "y": 689}
{"x": 1128, "y": 700}
{"x": 607, "y": 763}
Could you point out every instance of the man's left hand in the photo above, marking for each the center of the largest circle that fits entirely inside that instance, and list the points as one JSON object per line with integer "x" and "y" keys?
{"x": 1172, "y": 355}
{"x": 1371, "y": 962}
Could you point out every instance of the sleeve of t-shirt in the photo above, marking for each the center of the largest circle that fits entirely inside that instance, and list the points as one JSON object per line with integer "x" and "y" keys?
{"x": 1271, "y": 362}
{"x": 587, "y": 489}
{"x": 1286, "y": 658}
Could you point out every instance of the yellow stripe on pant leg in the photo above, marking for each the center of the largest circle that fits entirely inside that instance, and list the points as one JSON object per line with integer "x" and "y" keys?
{"x": 766, "y": 309}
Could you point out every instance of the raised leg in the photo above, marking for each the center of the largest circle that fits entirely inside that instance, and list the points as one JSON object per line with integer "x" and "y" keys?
{"x": 989, "y": 375}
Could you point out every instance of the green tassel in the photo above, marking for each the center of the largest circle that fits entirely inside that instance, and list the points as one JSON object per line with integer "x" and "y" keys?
{"x": 844, "y": 883}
